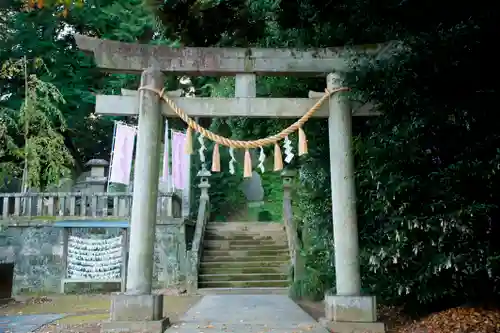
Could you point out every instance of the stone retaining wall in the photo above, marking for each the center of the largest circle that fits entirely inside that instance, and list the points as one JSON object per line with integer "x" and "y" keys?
{"x": 37, "y": 255}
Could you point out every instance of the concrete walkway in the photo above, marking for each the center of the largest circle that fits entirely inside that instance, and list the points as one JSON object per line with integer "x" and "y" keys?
{"x": 246, "y": 314}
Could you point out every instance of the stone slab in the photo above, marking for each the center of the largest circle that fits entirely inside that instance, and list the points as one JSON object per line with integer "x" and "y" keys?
{"x": 352, "y": 327}
{"x": 243, "y": 291}
{"x": 246, "y": 313}
{"x": 154, "y": 326}
{"x": 130, "y": 308}
{"x": 243, "y": 328}
{"x": 340, "y": 308}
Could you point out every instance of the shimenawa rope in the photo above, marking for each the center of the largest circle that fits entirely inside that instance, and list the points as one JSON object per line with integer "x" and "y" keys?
{"x": 238, "y": 144}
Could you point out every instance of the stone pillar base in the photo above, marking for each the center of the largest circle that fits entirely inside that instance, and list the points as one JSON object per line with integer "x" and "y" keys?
{"x": 350, "y": 308}
{"x": 352, "y": 327}
{"x": 155, "y": 326}
{"x": 351, "y": 314}
{"x": 136, "y": 313}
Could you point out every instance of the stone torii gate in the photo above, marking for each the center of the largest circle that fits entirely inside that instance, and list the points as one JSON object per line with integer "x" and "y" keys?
{"x": 347, "y": 309}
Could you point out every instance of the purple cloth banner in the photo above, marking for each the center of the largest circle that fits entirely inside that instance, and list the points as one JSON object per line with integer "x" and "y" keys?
{"x": 123, "y": 150}
{"x": 179, "y": 160}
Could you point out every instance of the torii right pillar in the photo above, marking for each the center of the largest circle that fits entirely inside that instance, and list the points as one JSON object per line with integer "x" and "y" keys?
{"x": 346, "y": 311}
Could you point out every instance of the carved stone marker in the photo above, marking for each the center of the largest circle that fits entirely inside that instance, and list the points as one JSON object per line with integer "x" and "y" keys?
{"x": 252, "y": 188}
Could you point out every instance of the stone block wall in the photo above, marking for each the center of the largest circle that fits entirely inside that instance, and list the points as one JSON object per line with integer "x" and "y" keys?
{"x": 37, "y": 255}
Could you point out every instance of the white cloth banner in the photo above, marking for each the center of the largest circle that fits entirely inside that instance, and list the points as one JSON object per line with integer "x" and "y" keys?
{"x": 165, "y": 175}
{"x": 180, "y": 164}
{"x": 123, "y": 149}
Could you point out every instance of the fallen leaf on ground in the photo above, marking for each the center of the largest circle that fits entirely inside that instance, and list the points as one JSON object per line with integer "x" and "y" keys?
{"x": 457, "y": 320}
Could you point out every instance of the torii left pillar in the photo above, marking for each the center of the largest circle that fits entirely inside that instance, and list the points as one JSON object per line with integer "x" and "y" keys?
{"x": 138, "y": 310}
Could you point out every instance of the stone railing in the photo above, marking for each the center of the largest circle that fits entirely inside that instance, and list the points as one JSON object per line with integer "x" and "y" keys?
{"x": 294, "y": 244}
{"x": 194, "y": 254}
{"x": 45, "y": 207}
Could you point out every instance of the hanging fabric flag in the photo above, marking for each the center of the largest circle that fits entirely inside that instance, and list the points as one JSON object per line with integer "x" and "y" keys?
{"x": 179, "y": 160}
{"x": 165, "y": 174}
{"x": 123, "y": 149}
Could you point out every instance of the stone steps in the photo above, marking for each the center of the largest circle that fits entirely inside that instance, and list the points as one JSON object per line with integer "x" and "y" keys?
{"x": 245, "y": 243}
{"x": 243, "y": 277}
{"x": 248, "y": 255}
{"x": 254, "y": 252}
{"x": 240, "y": 264}
{"x": 221, "y": 245}
{"x": 244, "y": 291}
{"x": 244, "y": 230}
{"x": 230, "y": 236}
{"x": 257, "y": 227}
{"x": 244, "y": 284}
{"x": 283, "y": 258}
{"x": 244, "y": 270}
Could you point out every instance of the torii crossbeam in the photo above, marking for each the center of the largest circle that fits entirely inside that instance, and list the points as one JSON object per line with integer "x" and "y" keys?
{"x": 128, "y": 105}
{"x": 113, "y": 56}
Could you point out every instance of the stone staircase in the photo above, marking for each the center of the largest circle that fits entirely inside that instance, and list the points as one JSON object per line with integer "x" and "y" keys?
{"x": 244, "y": 255}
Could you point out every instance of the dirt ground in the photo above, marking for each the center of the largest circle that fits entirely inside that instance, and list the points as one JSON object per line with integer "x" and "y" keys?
{"x": 87, "y": 311}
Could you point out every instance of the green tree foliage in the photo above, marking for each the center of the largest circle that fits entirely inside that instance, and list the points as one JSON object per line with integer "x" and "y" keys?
{"x": 40, "y": 34}
{"x": 45, "y": 155}
{"x": 45, "y": 35}
{"x": 8, "y": 166}
{"x": 426, "y": 170}
{"x": 48, "y": 158}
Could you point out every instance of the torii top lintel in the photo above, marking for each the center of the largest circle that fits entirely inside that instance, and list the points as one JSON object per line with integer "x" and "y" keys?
{"x": 114, "y": 56}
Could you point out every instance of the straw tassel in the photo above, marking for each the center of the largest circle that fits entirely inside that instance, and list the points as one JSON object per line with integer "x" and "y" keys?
{"x": 302, "y": 142}
{"x": 247, "y": 170}
{"x": 216, "y": 159}
{"x": 278, "y": 159}
{"x": 189, "y": 142}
